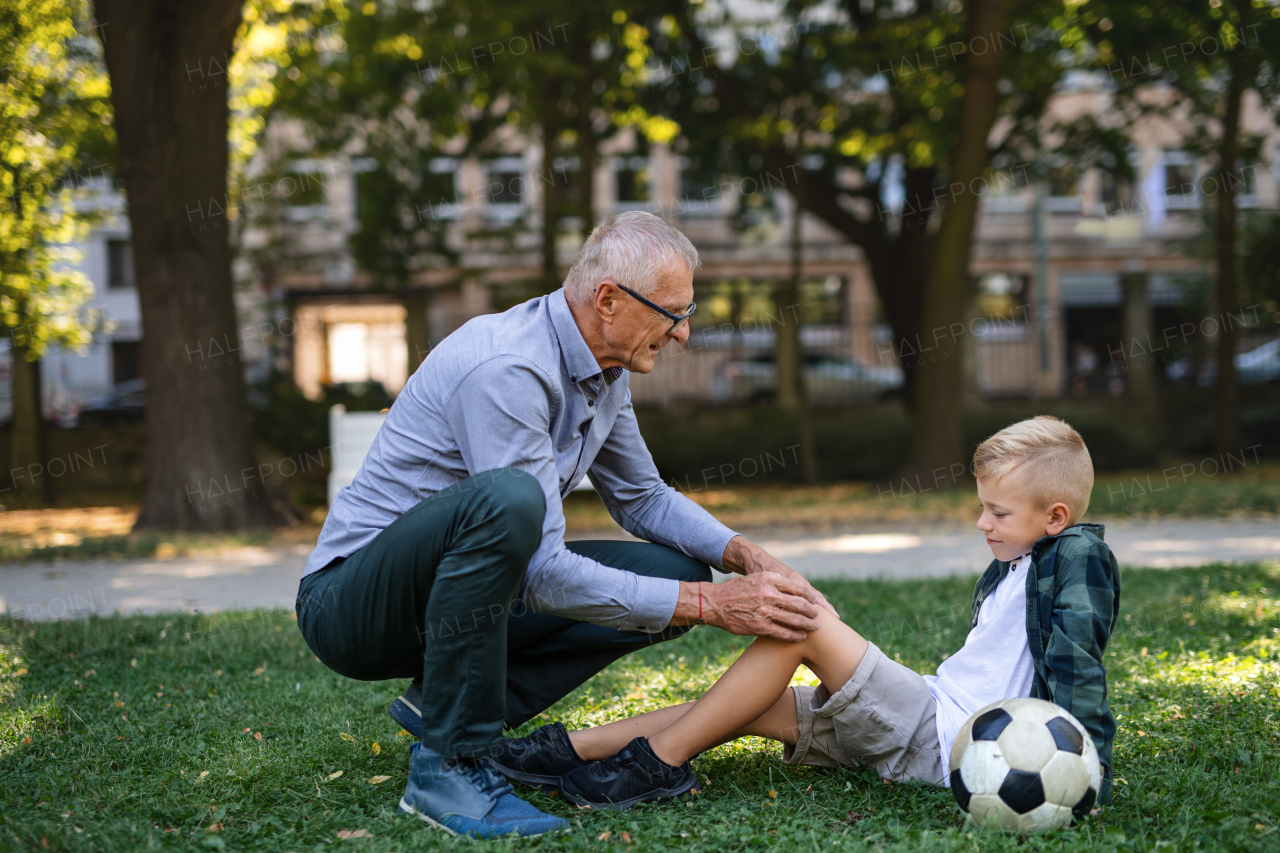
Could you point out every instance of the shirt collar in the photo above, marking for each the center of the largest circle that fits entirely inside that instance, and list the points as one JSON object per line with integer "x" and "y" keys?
{"x": 577, "y": 356}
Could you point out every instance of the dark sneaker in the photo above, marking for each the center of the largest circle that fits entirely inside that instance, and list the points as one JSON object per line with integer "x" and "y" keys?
{"x": 635, "y": 775}
{"x": 407, "y": 710}
{"x": 469, "y": 798}
{"x": 540, "y": 758}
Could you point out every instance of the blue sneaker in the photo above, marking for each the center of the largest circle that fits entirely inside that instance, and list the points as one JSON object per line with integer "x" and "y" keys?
{"x": 406, "y": 709}
{"x": 469, "y": 798}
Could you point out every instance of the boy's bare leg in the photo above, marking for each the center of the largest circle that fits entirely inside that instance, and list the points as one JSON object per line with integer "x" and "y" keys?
{"x": 750, "y": 699}
{"x": 600, "y": 742}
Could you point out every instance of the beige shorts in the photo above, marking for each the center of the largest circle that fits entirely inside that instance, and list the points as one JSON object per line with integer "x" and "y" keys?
{"x": 882, "y": 718}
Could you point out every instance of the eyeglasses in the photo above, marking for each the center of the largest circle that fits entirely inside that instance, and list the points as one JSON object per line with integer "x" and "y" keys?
{"x": 676, "y": 319}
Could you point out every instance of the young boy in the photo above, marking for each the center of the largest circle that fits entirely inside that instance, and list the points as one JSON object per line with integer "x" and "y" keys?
{"x": 1042, "y": 614}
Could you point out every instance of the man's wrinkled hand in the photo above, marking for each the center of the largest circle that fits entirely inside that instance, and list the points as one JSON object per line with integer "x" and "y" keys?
{"x": 749, "y": 559}
{"x": 763, "y": 604}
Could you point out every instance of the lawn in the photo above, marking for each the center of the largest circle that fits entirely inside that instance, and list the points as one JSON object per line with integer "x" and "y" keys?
{"x": 224, "y": 732}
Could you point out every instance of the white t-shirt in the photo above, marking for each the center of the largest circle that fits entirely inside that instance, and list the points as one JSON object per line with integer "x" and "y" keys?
{"x": 995, "y": 662}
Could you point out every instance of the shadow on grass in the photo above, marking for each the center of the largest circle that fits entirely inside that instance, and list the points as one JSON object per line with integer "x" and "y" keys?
{"x": 224, "y": 732}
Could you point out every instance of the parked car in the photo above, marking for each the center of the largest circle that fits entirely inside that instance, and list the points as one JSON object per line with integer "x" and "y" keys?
{"x": 125, "y": 403}
{"x": 1260, "y": 365}
{"x": 1255, "y": 367}
{"x": 828, "y": 378}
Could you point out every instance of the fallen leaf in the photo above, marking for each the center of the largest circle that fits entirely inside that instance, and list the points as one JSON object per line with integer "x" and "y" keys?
{"x": 259, "y": 670}
{"x": 124, "y": 717}
{"x": 334, "y": 775}
{"x": 133, "y": 662}
{"x": 203, "y": 773}
{"x": 853, "y": 816}
{"x": 216, "y": 826}
{"x": 604, "y": 836}
{"x": 27, "y": 739}
{"x": 354, "y": 833}
{"x": 22, "y": 671}
{"x": 345, "y": 736}
{"x": 119, "y": 704}
{"x": 245, "y": 732}
{"x": 257, "y": 735}
{"x": 377, "y": 780}
{"x": 377, "y": 750}
{"x": 626, "y": 836}
{"x": 773, "y": 795}
{"x": 90, "y": 673}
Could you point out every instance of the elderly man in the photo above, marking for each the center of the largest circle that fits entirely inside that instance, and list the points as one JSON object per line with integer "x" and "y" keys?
{"x": 445, "y": 559}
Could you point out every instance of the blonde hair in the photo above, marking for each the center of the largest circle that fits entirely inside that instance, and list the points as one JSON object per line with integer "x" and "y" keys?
{"x": 635, "y": 249}
{"x": 1049, "y": 460}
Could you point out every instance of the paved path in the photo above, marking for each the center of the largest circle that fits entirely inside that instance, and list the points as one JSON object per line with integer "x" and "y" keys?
{"x": 268, "y": 577}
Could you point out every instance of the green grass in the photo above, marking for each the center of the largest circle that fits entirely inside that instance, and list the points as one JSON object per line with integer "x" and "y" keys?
{"x": 143, "y": 733}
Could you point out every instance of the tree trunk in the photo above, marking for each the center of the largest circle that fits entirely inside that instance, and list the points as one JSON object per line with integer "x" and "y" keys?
{"x": 168, "y": 68}
{"x": 28, "y": 449}
{"x": 1228, "y": 294}
{"x": 417, "y": 327}
{"x": 789, "y": 356}
{"x": 938, "y": 438}
{"x": 550, "y": 181}
{"x": 1140, "y": 384}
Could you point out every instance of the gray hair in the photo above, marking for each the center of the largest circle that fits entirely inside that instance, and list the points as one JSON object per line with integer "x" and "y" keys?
{"x": 634, "y": 248}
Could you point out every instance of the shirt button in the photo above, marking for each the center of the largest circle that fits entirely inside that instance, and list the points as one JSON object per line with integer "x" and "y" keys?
{"x": 591, "y": 402}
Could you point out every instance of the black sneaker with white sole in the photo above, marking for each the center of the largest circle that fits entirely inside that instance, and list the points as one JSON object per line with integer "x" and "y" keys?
{"x": 406, "y": 710}
{"x": 634, "y": 775}
{"x": 540, "y": 758}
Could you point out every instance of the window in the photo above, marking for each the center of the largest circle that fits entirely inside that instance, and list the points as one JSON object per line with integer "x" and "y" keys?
{"x": 1064, "y": 181}
{"x": 505, "y": 183}
{"x": 119, "y": 265}
{"x": 697, "y": 180}
{"x": 1180, "y": 180}
{"x": 126, "y": 361}
{"x": 302, "y": 189}
{"x": 439, "y": 185}
{"x": 1063, "y": 186}
{"x": 633, "y": 180}
{"x": 1109, "y": 192}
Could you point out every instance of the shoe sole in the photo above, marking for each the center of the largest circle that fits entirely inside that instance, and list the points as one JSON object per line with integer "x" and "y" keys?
{"x": 408, "y": 809}
{"x": 623, "y": 805}
{"x": 407, "y": 716}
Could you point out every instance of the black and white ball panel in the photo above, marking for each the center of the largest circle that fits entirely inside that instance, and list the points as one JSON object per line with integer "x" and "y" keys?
{"x": 1024, "y": 764}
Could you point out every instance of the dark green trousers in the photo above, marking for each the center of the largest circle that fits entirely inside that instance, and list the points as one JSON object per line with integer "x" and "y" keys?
{"x": 436, "y": 595}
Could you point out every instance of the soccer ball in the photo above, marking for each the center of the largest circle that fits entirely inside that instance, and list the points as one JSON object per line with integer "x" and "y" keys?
{"x": 1026, "y": 765}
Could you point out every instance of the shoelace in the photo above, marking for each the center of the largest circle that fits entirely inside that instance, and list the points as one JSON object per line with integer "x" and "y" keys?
{"x": 614, "y": 763}
{"x": 545, "y": 736}
{"x": 483, "y": 777}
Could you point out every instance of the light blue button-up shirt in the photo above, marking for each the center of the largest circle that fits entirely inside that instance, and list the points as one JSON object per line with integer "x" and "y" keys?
{"x": 522, "y": 389}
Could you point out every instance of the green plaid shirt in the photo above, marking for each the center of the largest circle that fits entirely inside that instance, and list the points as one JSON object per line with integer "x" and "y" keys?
{"x": 1073, "y": 601}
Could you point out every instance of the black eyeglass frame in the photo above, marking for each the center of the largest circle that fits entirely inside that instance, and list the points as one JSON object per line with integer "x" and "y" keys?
{"x": 676, "y": 319}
